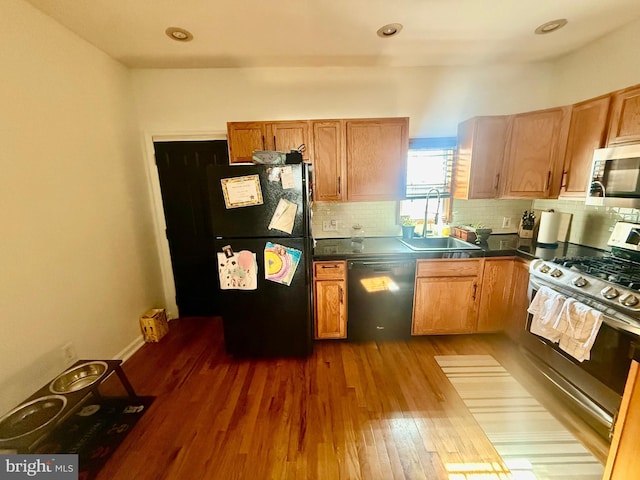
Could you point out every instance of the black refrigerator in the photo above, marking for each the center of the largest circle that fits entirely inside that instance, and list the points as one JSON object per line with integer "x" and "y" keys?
{"x": 260, "y": 219}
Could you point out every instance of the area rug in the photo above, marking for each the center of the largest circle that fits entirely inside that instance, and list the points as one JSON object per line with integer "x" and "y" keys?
{"x": 96, "y": 431}
{"x": 532, "y": 443}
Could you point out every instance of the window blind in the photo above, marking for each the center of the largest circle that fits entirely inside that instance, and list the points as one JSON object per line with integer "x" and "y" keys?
{"x": 430, "y": 166}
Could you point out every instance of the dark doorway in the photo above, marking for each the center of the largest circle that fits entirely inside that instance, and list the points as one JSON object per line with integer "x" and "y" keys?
{"x": 185, "y": 200}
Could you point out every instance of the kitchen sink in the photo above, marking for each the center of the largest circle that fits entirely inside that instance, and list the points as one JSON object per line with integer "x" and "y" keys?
{"x": 438, "y": 244}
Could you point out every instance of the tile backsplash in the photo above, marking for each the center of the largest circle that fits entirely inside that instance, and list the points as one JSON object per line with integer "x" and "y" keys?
{"x": 380, "y": 219}
{"x": 589, "y": 225}
{"x": 490, "y": 213}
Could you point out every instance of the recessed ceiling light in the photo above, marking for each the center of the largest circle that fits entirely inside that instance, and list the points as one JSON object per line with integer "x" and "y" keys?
{"x": 551, "y": 26}
{"x": 179, "y": 34}
{"x": 389, "y": 30}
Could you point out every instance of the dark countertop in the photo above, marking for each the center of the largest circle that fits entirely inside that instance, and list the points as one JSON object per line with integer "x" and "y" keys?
{"x": 498, "y": 245}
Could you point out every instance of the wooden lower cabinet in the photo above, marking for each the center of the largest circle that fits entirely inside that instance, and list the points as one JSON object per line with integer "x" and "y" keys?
{"x": 623, "y": 461}
{"x": 330, "y": 299}
{"x": 471, "y": 296}
{"x": 495, "y": 309}
{"x": 519, "y": 300}
{"x": 446, "y": 297}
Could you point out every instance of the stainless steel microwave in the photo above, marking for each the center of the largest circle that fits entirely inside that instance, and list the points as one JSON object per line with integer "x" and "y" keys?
{"x": 615, "y": 177}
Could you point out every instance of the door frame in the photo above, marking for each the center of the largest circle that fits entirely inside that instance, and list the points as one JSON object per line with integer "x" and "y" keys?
{"x": 159, "y": 222}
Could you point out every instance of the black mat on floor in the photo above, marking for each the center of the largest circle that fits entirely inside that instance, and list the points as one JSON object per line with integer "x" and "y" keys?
{"x": 96, "y": 431}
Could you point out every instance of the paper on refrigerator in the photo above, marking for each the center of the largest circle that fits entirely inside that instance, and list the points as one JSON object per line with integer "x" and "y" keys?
{"x": 284, "y": 216}
{"x": 238, "y": 270}
{"x": 280, "y": 263}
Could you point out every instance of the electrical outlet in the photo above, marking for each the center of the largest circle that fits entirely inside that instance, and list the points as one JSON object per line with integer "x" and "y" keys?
{"x": 506, "y": 222}
{"x": 329, "y": 225}
{"x": 69, "y": 353}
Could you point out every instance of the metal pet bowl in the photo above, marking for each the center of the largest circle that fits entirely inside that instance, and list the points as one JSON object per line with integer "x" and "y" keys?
{"x": 31, "y": 416}
{"x": 78, "y": 377}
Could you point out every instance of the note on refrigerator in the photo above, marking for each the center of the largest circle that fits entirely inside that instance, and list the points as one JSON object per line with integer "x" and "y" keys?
{"x": 286, "y": 178}
{"x": 284, "y": 216}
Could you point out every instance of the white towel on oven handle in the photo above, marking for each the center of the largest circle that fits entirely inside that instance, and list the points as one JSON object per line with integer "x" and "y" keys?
{"x": 545, "y": 308}
{"x": 579, "y": 325}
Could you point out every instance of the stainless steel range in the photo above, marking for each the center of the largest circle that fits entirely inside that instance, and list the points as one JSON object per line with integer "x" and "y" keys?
{"x": 608, "y": 283}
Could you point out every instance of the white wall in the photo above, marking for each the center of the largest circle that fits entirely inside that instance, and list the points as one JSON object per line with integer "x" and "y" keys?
{"x": 78, "y": 255}
{"x": 608, "y": 64}
{"x": 436, "y": 99}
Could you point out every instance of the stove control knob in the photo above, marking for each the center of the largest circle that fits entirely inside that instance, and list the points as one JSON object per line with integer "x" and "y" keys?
{"x": 629, "y": 300}
{"x": 580, "y": 282}
{"x": 609, "y": 293}
{"x": 556, "y": 273}
{"x": 545, "y": 268}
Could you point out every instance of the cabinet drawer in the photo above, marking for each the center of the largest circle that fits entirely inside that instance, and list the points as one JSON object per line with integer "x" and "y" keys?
{"x": 329, "y": 270}
{"x": 448, "y": 268}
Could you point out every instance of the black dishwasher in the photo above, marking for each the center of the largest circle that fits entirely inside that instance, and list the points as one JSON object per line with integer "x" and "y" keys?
{"x": 380, "y": 299}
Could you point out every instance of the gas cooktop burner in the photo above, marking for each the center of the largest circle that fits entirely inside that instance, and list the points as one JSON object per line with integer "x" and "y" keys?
{"x": 612, "y": 269}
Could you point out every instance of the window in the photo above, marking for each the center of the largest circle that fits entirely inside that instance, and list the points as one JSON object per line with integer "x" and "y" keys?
{"x": 429, "y": 168}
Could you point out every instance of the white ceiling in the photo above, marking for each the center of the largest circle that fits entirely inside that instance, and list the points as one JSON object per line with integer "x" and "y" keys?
{"x": 258, "y": 33}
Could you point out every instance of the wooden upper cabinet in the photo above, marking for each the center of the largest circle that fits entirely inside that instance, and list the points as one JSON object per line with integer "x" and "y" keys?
{"x": 478, "y": 166}
{"x": 587, "y": 131}
{"x": 328, "y": 160}
{"x": 534, "y": 153}
{"x": 244, "y": 138}
{"x": 287, "y": 136}
{"x": 624, "y": 126}
{"x": 376, "y": 158}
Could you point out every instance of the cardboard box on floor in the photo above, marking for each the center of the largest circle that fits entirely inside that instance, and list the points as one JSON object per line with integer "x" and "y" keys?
{"x": 154, "y": 325}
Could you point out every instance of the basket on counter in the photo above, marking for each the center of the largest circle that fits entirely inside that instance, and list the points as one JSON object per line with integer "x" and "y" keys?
{"x": 462, "y": 234}
{"x": 472, "y": 234}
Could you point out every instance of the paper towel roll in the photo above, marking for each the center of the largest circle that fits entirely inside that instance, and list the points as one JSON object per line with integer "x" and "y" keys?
{"x": 549, "y": 227}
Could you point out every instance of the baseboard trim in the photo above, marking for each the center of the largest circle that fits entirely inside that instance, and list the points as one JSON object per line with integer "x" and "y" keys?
{"x": 130, "y": 349}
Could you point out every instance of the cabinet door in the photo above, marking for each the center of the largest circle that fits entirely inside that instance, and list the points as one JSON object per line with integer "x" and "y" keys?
{"x": 328, "y": 160}
{"x": 519, "y": 301}
{"x": 330, "y": 306}
{"x": 446, "y": 296}
{"x": 376, "y": 151}
{"x": 624, "y": 126}
{"x": 496, "y": 293}
{"x": 534, "y": 153}
{"x": 481, "y": 144}
{"x": 623, "y": 461}
{"x": 587, "y": 131}
{"x": 287, "y": 136}
{"x": 444, "y": 305}
{"x": 244, "y": 138}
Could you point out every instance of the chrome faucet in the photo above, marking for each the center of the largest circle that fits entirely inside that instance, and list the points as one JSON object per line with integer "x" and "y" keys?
{"x": 426, "y": 210}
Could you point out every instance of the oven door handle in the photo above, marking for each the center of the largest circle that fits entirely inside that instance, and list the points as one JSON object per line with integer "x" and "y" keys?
{"x": 621, "y": 325}
{"x": 618, "y": 324}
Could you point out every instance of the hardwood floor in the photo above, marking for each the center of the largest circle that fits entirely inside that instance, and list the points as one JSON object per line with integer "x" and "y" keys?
{"x": 349, "y": 411}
